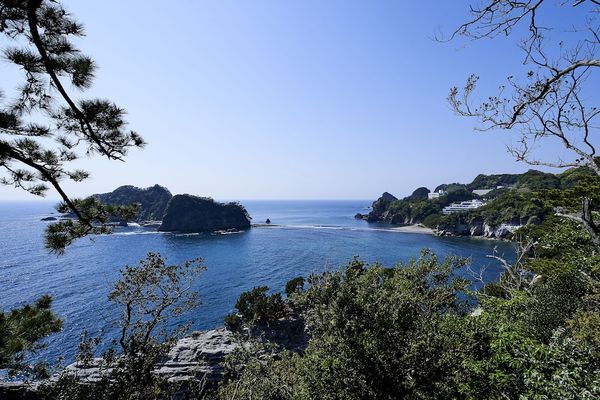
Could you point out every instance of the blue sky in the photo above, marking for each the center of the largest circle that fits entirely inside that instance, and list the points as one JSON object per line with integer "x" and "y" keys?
{"x": 289, "y": 99}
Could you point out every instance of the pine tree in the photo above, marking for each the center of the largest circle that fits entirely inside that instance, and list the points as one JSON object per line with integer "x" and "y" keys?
{"x": 44, "y": 129}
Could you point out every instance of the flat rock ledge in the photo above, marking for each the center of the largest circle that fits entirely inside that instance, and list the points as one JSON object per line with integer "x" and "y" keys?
{"x": 197, "y": 357}
{"x": 200, "y": 355}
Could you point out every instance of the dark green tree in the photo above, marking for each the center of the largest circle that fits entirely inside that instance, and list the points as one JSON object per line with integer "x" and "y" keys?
{"x": 43, "y": 129}
{"x": 150, "y": 295}
{"x": 20, "y": 332}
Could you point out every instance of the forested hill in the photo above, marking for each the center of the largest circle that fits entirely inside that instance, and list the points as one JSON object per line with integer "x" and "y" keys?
{"x": 510, "y": 201}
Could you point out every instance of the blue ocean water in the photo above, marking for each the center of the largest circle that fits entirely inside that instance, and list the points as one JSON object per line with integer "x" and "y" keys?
{"x": 311, "y": 236}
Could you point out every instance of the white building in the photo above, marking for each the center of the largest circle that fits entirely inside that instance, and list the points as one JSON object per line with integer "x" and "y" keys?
{"x": 462, "y": 206}
{"x": 436, "y": 195}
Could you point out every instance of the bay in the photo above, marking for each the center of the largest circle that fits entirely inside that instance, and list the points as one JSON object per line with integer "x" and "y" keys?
{"x": 307, "y": 237}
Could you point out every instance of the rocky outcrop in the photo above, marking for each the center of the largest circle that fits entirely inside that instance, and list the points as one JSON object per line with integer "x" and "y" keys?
{"x": 192, "y": 214}
{"x": 152, "y": 200}
{"x": 200, "y": 356}
{"x": 421, "y": 193}
{"x": 503, "y": 231}
{"x": 195, "y": 358}
{"x": 378, "y": 208}
{"x": 387, "y": 197}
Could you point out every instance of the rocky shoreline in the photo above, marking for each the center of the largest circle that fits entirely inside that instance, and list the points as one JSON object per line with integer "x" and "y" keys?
{"x": 484, "y": 231}
{"x": 197, "y": 358}
{"x": 503, "y": 231}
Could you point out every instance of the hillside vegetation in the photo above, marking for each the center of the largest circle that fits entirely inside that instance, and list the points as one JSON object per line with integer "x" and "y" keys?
{"x": 515, "y": 200}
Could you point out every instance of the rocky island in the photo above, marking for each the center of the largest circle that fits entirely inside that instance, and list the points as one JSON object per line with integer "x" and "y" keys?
{"x": 183, "y": 213}
{"x": 152, "y": 200}
{"x": 193, "y": 214}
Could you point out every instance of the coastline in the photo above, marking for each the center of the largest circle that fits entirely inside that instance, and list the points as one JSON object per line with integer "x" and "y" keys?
{"x": 414, "y": 228}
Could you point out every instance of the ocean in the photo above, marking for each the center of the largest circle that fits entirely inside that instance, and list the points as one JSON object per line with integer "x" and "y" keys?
{"x": 310, "y": 236}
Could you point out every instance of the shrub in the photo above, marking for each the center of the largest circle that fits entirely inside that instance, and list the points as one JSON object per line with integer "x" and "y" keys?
{"x": 256, "y": 306}
{"x": 295, "y": 285}
{"x": 233, "y": 321}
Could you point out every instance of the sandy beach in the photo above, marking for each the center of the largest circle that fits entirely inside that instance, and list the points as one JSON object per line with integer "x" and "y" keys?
{"x": 416, "y": 228}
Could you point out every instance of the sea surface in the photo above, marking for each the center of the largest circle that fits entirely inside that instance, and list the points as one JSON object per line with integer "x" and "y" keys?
{"x": 310, "y": 236}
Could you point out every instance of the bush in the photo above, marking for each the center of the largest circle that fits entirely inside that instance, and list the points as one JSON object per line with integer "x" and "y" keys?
{"x": 21, "y": 332}
{"x": 233, "y": 321}
{"x": 256, "y": 306}
{"x": 375, "y": 333}
{"x": 150, "y": 294}
{"x": 411, "y": 332}
{"x": 293, "y": 286}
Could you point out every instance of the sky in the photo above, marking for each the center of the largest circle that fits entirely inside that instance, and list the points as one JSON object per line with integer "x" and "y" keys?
{"x": 306, "y": 99}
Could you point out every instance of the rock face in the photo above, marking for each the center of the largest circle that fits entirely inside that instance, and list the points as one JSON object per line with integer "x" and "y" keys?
{"x": 503, "y": 231}
{"x": 192, "y": 214}
{"x": 195, "y": 358}
{"x": 152, "y": 200}
{"x": 386, "y": 196}
{"x": 419, "y": 194}
{"x": 200, "y": 355}
{"x": 379, "y": 207}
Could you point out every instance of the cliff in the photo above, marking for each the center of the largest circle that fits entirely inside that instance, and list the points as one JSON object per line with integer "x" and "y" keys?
{"x": 192, "y": 214}
{"x": 152, "y": 200}
{"x": 512, "y": 201}
{"x": 379, "y": 208}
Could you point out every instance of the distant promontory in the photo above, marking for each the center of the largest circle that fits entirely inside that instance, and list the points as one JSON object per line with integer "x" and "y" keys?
{"x": 152, "y": 201}
{"x": 183, "y": 213}
{"x": 192, "y": 214}
{"x": 493, "y": 206}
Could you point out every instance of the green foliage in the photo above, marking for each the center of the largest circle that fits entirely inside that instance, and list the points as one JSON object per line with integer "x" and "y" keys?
{"x": 294, "y": 286}
{"x": 150, "y": 295}
{"x": 442, "y": 222}
{"x": 532, "y": 179}
{"x": 256, "y": 306}
{"x": 585, "y": 327}
{"x": 574, "y": 176}
{"x": 560, "y": 246}
{"x": 483, "y": 181}
{"x": 514, "y": 206}
{"x": 570, "y": 197}
{"x": 44, "y": 129}
{"x": 524, "y": 202}
{"x": 376, "y": 333}
{"x": 457, "y": 193}
{"x": 419, "y": 194}
{"x": 233, "y": 322}
{"x": 21, "y": 331}
{"x": 410, "y": 332}
{"x": 554, "y": 301}
{"x": 536, "y": 180}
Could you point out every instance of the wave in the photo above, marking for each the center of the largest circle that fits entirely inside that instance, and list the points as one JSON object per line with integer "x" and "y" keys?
{"x": 398, "y": 229}
{"x": 136, "y": 233}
